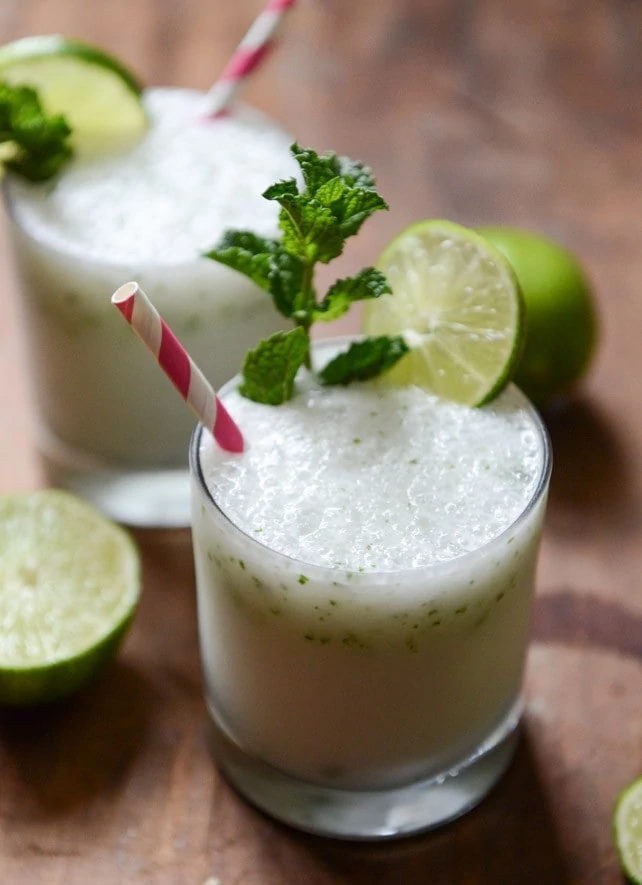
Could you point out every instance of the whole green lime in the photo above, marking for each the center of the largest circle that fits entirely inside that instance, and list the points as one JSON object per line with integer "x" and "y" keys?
{"x": 561, "y": 320}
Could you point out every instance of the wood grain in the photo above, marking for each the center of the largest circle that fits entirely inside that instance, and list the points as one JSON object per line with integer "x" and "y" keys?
{"x": 522, "y": 113}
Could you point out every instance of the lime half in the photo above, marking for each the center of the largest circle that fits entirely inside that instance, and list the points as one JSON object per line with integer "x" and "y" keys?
{"x": 627, "y": 825}
{"x": 69, "y": 586}
{"x": 457, "y": 303}
{"x": 99, "y": 97}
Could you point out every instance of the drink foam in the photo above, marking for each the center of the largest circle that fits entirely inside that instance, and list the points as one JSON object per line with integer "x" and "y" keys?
{"x": 369, "y": 477}
{"x": 170, "y": 196}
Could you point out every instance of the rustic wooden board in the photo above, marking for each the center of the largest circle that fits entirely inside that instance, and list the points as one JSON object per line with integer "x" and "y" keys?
{"x": 524, "y": 113}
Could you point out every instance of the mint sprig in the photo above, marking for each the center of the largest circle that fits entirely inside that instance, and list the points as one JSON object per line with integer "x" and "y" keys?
{"x": 337, "y": 197}
{"x": 269, "y": 370}
{"x": 38, "y": 145}
{"x": 364, "y": 360}
{"x": 368, "y": 283}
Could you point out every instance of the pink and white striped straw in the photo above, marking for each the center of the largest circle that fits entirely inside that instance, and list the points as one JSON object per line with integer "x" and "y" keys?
{"x": 249, "y": 54}
{"x": 179, "y": 367}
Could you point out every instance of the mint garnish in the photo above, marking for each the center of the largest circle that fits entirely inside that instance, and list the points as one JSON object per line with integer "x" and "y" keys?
{"x": 338, "y": 196}
{"x": 270, "y": 369}
{"x": 38, "y": 144}
{"x": 368, "y": 283}
{"x": 364, "y": 360}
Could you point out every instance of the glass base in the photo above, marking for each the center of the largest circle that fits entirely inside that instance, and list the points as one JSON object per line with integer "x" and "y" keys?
{"x": 150, "y": 498}
{"x": 368, "y": 815}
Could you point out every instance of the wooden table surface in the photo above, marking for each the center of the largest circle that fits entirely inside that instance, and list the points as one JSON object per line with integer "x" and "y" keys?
{"x": 520, "y": 113}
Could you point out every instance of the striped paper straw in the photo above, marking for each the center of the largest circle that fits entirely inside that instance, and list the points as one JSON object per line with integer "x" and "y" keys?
{"x": 179, "y": 367}
{"x": 249, "y": 54}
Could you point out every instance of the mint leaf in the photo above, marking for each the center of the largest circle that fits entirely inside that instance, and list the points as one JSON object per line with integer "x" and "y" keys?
{"x": 40, "y": 143}
{"x": 350, "y": 204}
{"x": 332, "y": 192}
{"x": 368, "y": 283}
{"x": 265, "y": 262}
{"x": 339, "y": 195}
{"x": 286, "y": 282}
{"x": 246, "y": 253}
{"x": 317, "y": 169}
{"x": 270, "y": 369}
{"x": 364, "y": 360}
{"x": 310, "y": 231}
{"x": 356, "y": 173}
{"x": 281, "y": 189}
{"x": 358, "y": 206}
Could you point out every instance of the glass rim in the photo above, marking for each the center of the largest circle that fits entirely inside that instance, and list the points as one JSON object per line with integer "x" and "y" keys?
{"x": 402, "y": 574}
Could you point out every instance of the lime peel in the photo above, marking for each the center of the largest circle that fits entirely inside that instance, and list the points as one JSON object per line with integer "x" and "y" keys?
{"x": 69, "y": 588}
{"x": 457, "y": 303}
{"x": 627, "y": 827}
{"x": 563, "y": 324}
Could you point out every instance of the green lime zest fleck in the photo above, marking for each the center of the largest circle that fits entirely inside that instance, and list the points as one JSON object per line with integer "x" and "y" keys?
{"x": 353, "y": 641}
{"x": 337, "y": 196}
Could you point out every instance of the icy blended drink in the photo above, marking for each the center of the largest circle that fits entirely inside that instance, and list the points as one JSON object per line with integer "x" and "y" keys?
{"x": 109, "y": 425}
{"x": 365, "y": 575}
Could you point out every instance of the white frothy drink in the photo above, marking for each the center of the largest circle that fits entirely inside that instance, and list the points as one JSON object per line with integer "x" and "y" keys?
{"x": 146, "y": 214}
{"x": 365, "y": 574}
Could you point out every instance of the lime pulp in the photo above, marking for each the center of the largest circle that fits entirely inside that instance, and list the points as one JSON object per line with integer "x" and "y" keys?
{"x": 69, "y": 587}
{"x": 457, "y": 303}
{"x": 627, "y": 826}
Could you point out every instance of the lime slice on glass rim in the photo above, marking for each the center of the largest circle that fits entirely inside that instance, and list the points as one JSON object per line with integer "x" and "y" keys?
{"x": 69, "y": 587}
{"x": 98, "y": 96}
{"x": 458, "y": 305}
{"x": 627, "y": 828}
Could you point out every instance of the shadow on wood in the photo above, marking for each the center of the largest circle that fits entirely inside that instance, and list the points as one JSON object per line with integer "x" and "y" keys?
{"x": 590, "y": 464}
{"x": 59, "y": 757}
{"x": 511, "y": 830}
{"x": 62, "y": 755}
